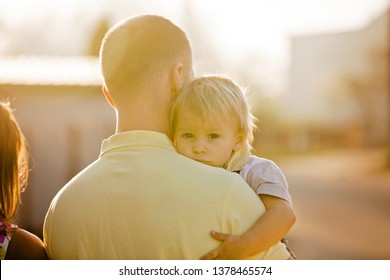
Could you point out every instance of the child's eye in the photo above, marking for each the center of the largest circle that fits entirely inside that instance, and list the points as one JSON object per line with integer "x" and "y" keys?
{"x": 213, "y": 136}
{"x": 187, "y": 135}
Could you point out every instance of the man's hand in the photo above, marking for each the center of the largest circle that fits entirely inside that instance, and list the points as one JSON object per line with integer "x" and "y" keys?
{"x": 232, "y": 247}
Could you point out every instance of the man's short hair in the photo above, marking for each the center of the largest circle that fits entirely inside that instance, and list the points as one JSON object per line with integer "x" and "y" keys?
{"x": 137, "y": 49}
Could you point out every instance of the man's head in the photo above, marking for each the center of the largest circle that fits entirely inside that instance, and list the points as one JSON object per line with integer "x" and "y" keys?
{"x": 141, "y": 51}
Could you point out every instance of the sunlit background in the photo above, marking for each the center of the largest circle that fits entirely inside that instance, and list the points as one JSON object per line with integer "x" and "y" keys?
{"x": 318, "y": 76}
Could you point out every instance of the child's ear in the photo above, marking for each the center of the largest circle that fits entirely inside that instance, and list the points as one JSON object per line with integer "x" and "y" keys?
{"x": 240, "y": 140}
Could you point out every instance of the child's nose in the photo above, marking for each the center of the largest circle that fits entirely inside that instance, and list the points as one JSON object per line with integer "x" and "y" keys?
{"x": 199, "y": 147}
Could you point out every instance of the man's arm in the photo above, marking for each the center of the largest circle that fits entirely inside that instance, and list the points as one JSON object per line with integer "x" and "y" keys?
{"x": 248, "y": 221}
{"x": 268, "y": 230}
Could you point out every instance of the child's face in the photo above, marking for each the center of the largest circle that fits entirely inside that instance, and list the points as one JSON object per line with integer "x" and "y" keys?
{"x": 209, "y": 144}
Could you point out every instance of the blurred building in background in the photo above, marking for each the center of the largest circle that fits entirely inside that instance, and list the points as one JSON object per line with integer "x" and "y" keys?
{"x": 64, "y": 116}
{"x": 339, "y": 87}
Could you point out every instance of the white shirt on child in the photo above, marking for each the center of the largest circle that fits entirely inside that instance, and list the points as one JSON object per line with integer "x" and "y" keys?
{"x": 265, "y": 177}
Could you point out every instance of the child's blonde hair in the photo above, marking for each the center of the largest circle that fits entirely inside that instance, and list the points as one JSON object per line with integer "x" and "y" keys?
{"x": 217, "y": 99}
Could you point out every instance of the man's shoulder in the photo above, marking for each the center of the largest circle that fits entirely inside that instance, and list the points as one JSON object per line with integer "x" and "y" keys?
{"x": 198, "y": 170}
{"x": 195, "y": 175}
{"x": 86, "y": 178}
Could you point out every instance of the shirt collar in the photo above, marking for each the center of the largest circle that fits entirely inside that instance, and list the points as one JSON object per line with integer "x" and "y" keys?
{"x": 136, "y": 138}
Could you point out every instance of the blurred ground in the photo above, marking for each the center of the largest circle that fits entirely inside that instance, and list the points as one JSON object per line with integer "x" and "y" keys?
{"x": 342, "y": 203}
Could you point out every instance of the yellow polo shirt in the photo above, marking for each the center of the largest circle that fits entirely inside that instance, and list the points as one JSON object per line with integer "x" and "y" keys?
{"x": 142, "y": 200}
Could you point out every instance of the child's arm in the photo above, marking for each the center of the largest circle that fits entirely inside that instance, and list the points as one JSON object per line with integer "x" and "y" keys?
{"x": 268, "y": 230}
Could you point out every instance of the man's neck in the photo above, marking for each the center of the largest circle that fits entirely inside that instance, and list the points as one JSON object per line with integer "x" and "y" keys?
{"x": 143, "y": 120}
{"x": 147, "y": 109}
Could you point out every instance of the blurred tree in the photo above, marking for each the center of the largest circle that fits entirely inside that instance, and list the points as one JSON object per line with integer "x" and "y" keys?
{"x": 206, "y": 56}
{"x": 97, "y": 37}
{"x": 274, "y": 133}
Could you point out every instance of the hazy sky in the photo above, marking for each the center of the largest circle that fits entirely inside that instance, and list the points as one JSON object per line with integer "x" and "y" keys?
{"x": 235, "y": 24}
{"x": 266, "y": 24}
{"x": 237, "y": 29}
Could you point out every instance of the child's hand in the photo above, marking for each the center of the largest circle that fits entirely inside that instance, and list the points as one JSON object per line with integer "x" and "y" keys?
{"x": 232, "y": 247}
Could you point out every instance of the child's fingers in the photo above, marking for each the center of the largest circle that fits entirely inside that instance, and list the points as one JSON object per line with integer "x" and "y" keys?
{"x": 219, "y": 235}
{"x": 211, "y": 255}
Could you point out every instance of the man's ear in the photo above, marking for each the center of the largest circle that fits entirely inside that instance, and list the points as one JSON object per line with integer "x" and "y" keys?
{"x": 107, "y": 95}
{"x": 176, "y": 77}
